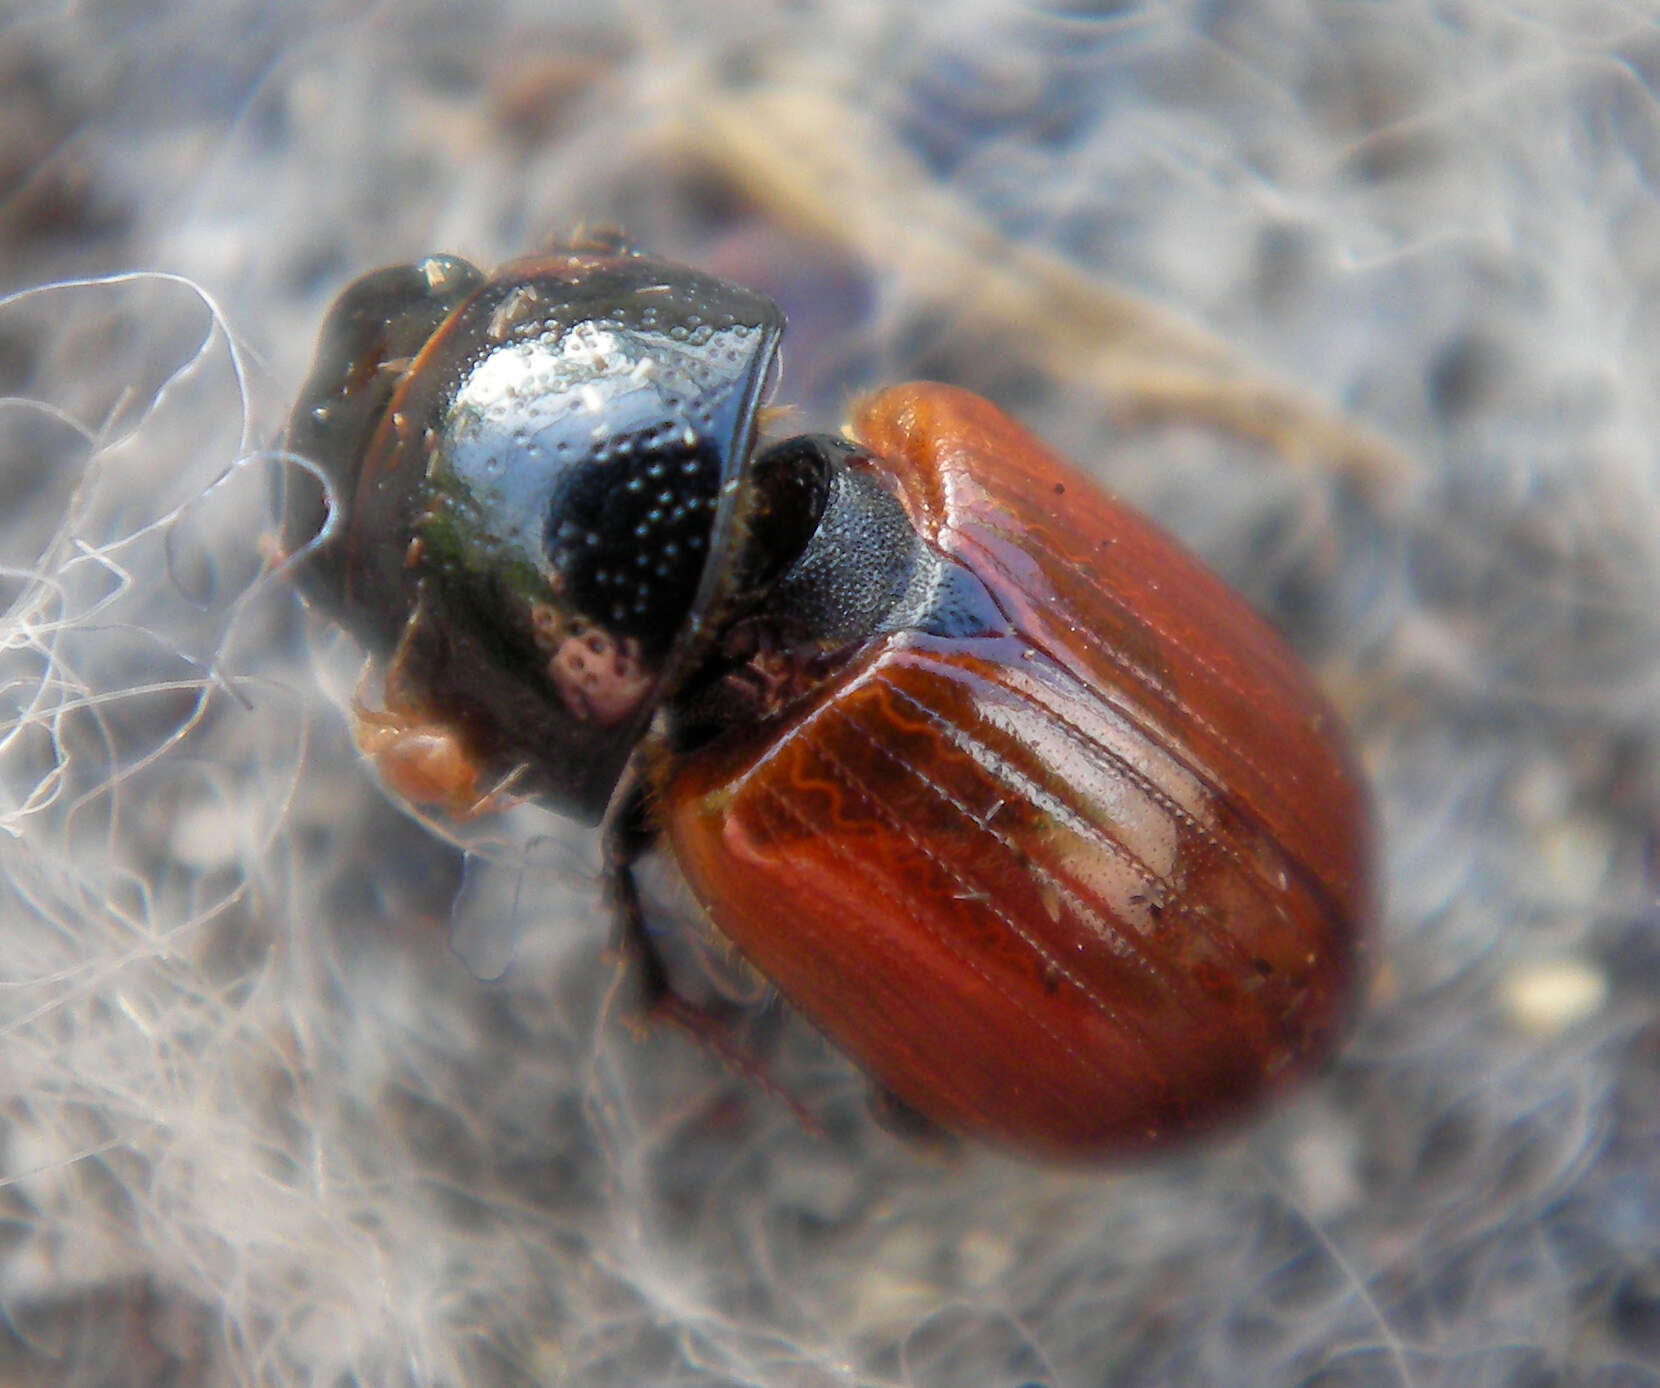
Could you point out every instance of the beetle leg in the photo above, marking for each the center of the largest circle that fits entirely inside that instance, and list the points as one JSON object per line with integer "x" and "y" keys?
{"x": 627, "y": 835}
{"x": 911, "y": 1126}
{"x": 425, "y": 759}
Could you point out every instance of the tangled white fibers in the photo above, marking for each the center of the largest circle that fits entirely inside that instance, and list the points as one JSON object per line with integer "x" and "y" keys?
{"x": 1363, "y": 301}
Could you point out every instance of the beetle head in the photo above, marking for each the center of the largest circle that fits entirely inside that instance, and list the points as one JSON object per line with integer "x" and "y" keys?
{"x": 540, "y": 505}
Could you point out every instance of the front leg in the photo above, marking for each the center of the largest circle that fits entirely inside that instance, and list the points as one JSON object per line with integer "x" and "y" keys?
{"x": 422, "y": 758}
{"x": 420, "y": 754}
{"x": 626, "y": 837}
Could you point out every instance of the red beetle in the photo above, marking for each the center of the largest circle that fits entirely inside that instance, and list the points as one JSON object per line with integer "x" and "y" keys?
{"x": 1015, "y": 800}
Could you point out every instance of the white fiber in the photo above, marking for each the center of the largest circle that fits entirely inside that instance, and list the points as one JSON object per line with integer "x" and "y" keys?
{"x": 1361, "y": 300}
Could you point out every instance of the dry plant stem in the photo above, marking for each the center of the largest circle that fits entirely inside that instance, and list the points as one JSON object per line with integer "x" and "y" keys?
{"x": 821, "y": 164}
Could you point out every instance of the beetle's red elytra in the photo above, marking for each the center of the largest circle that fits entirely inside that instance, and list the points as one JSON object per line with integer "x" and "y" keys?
{"x": 1016, "y": 801}
{"x": 1082, "y": 885}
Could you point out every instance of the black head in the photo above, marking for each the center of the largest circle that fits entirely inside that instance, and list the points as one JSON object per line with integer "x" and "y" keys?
{"x": 539, "y": 505}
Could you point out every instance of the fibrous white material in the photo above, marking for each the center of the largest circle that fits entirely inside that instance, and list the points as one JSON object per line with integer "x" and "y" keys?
{"x": 1358, "y": 299}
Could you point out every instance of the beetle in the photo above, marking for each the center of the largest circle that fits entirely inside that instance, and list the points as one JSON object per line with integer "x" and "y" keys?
{"x": 1017, "y": 802}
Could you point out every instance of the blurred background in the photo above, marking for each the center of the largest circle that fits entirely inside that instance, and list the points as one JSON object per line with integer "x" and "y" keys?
{"x": 1359, "y": 300}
